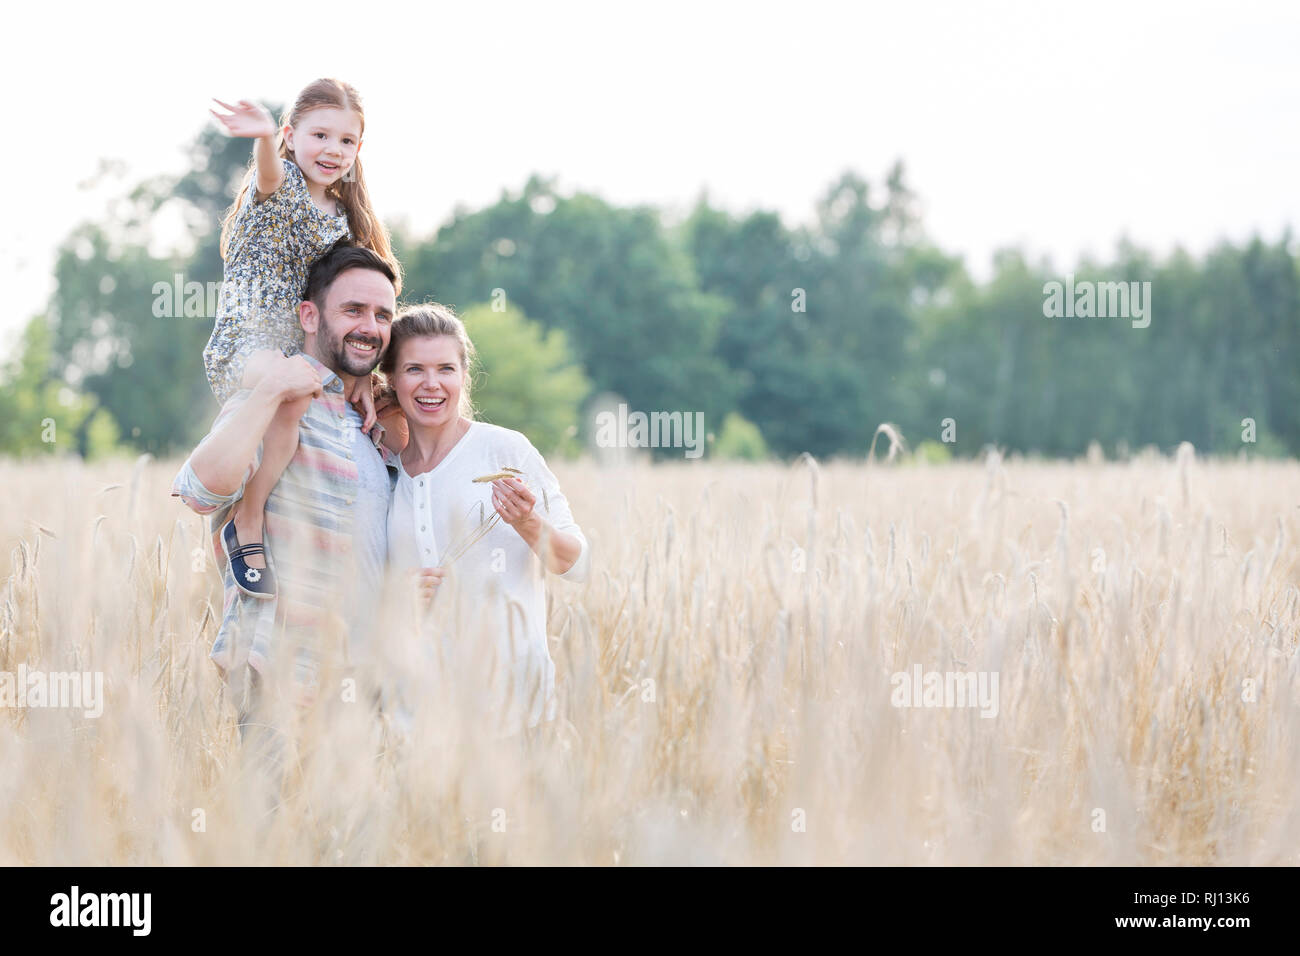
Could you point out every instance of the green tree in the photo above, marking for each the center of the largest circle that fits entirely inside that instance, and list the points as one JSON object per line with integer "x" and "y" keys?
{"x": 818, "y": 329}
{"x": 526, "y": 378}
{"x": 740, "y": 439}
{"x": 40, "y": 414}
{"x": 146, "y": 368}
{"x": 814, "y": 334}
{"x": 1223, "y": 344}
{"x": 625, "y": 296}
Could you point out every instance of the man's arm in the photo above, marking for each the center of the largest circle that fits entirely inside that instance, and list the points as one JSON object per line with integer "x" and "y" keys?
{"x": 221, "y": 462}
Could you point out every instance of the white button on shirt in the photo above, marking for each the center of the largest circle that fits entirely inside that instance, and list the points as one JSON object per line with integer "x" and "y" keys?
{"x": 418, "y": 547}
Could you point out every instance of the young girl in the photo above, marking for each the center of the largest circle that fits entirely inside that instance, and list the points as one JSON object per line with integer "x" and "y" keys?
{"x": 303, "y": 191}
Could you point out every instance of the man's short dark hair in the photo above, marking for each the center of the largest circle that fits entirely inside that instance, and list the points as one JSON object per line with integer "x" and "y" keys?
{"x": 341, "y": 257}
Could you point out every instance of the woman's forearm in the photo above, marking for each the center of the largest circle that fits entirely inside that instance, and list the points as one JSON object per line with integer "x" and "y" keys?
{"x": 564, "y": 548}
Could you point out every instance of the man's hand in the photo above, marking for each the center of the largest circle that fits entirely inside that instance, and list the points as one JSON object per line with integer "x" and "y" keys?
{"x": 289, "y": 379}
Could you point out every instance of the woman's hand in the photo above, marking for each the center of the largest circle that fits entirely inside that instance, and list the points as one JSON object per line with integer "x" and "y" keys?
{"x": 246, "y": 119}
{"x": 389, "y": 414}
{"x": 427, "y": 581}
{"x": 513, "y": 501}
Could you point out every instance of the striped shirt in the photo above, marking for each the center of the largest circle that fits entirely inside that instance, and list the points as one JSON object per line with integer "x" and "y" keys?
{"x": 308, "y": 534}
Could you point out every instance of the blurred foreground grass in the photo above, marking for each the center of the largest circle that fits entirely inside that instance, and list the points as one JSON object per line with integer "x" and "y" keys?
{"x": 723, "y": 678}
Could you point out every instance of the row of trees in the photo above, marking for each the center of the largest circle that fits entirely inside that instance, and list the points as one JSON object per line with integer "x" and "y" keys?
{"x": 798, "y": 339}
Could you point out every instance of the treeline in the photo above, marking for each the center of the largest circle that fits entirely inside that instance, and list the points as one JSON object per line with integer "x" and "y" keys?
{"x": 811, "y": 335}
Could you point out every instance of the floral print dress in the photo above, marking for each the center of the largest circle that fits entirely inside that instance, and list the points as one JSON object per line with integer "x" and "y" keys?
{"x": 272, "y": 246}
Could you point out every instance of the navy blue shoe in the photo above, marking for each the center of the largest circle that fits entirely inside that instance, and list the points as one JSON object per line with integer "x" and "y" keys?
{"x": 255, "y": 582}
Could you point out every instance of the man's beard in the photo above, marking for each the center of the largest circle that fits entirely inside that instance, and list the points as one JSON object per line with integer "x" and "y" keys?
{"x": 338, "y": 358}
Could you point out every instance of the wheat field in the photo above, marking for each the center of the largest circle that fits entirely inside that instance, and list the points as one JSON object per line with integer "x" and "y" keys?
{"x": 724, "y": 678}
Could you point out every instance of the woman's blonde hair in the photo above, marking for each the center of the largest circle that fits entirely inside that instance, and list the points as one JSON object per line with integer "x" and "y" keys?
{"x": 429, "y": 320}
{"x": 350, "y": 191}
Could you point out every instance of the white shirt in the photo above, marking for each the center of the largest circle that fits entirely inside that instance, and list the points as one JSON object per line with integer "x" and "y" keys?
{"x": 491, "y": 607}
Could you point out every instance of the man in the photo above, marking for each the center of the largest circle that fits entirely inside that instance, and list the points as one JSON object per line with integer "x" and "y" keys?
{"x": 326, "y": 519}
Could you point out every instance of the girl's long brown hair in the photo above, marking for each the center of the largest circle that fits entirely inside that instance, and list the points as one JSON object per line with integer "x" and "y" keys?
{"x": 350, "y": 191}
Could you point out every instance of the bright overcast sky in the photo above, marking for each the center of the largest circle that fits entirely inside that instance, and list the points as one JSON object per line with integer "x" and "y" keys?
{"x": 1055, "y": 126}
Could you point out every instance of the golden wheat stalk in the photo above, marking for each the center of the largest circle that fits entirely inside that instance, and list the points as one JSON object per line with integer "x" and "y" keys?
{"x": 478, "y": 533}
{"x": 474, "y": 536}
{"x": 505, "y": 472}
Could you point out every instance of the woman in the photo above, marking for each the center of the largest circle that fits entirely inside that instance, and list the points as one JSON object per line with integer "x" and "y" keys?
{"x": 489, "y": 611}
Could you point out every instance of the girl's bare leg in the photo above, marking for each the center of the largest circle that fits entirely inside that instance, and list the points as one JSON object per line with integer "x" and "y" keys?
{"x": 278, "y": 448}
{"x": 279, "y": 445}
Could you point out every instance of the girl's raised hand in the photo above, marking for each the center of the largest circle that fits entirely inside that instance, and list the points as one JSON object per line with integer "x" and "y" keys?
{"x": 245, "y": 119}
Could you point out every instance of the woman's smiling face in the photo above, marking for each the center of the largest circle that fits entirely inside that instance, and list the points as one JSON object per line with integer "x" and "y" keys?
{"x": 428, "y": 378}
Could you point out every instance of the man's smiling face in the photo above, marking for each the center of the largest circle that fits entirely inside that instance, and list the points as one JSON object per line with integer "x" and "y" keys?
{"x": 351, "y": 332}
